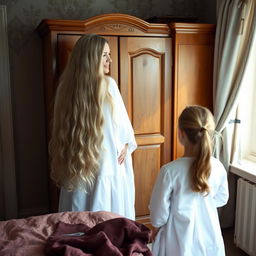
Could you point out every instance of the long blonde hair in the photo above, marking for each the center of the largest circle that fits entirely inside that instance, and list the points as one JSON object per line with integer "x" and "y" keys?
{"x": 77, "y": 132}
{"x": 198, "y": 124}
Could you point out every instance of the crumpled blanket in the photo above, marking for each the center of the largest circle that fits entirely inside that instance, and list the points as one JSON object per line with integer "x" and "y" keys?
{"x": 114, "y": 237}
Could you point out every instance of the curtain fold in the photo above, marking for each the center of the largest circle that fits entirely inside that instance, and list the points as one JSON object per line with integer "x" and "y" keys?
{"x": 234, "y": 33}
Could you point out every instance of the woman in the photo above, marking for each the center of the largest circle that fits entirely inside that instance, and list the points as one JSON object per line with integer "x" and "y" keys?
{"x": 183, "y": 206}
{"x": 92, "y": 138}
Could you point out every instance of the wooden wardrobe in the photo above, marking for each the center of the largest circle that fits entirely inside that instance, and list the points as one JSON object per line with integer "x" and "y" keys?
{"x": 160, "y": 68}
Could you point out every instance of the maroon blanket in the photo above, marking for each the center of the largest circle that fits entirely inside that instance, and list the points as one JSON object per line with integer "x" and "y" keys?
{"x": 115, "y": 237}
{"x": 28, "y": 236}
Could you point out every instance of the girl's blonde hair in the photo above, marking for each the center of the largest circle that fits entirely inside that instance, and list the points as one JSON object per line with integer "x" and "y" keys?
{"x": 77, "y": 132}
{"x": 198, "y": 124}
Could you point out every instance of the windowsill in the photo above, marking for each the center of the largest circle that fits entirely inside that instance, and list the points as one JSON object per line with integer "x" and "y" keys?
{"x": 246, "y": 169}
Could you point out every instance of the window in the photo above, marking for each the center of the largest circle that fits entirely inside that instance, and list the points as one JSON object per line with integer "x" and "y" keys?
{"x": 247, "y": 109}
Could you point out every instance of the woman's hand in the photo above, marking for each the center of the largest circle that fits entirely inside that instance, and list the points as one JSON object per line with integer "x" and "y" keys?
{"x": 122, "y": 154}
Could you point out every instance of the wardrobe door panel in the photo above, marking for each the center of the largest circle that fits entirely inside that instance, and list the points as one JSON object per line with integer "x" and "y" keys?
{"x": 196, "y": 86}
{"x": 193, "y": 71}
{"x": 146, "y": 111}
{"x": 149, "y": 158}
{"x": 66, "y": 44}
{"x": 145, "y": 84}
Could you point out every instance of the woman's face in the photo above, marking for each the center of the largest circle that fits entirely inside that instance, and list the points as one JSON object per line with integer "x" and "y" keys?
{"x": 106, "y": 59}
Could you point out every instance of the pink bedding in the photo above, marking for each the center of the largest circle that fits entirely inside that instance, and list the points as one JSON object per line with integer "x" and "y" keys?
{"x": 25, "y": 237}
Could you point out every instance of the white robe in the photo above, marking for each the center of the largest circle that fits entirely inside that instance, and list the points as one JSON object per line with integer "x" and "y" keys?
{"x": 114, "y": 186}
{"x": 189, "y": 221}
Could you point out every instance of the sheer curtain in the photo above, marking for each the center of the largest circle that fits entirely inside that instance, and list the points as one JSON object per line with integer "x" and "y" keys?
{"x": 235, "y": 29}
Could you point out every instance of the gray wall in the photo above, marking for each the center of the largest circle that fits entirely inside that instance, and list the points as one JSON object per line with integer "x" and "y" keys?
{"x": 27, "y": 78}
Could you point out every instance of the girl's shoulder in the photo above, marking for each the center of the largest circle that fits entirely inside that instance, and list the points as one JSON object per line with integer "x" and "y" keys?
{"x": 186, "y": 161}
{"x": 182, "y": 163}
{"x": 216, "y": 162}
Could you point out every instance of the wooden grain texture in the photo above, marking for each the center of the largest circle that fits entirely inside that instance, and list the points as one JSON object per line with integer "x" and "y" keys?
{"x": 145, "y": 88}
{"x": 193, "y": 46}
{"x": 107, "y": 24}
{"x": 146, "y": 167}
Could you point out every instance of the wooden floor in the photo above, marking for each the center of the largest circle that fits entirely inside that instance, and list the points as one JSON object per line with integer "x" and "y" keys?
{"x": 231, "y": 249}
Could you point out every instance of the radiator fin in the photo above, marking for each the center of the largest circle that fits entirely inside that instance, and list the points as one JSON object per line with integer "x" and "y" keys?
{"x": 245, "y": 224}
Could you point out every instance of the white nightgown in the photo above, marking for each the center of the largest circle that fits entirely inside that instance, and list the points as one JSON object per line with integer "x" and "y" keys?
{"x": 189, "y": 221}
{"x": 114, "y": 186}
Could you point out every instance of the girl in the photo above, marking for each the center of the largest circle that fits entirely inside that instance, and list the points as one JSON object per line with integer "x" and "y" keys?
{"x": 184, "y": 201}
{"x": 92, "y": 138}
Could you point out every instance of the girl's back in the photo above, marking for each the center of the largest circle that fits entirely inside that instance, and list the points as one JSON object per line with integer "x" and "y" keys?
{"x": 188, "y": 220}
{"x": 185, "y": 198}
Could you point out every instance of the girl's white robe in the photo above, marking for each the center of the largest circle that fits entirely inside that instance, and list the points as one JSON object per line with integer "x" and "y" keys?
{"x": 114, "y": 186}
{"x": 188, "y": 220}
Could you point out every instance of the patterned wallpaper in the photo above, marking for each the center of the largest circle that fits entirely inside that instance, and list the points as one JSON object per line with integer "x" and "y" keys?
{"x": 27, "y": 75}
{"x": 25, "y": 15}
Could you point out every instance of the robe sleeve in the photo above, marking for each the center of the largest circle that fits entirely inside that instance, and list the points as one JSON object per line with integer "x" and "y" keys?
{"x": 160, "y": 201}
{"x": 222, "y": 194}
{"x": 124, "y": 128}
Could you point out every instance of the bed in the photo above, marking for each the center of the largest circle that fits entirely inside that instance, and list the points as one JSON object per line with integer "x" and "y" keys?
{"x": 74, "y": 233}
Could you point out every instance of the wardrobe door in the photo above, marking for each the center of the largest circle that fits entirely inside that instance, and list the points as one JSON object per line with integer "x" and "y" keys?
{"x": 145, "y": 84}
{"x": 193, "y": 71}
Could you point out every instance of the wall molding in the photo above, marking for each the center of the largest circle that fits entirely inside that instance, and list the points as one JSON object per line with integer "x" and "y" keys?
{"x": 7, "y": 155}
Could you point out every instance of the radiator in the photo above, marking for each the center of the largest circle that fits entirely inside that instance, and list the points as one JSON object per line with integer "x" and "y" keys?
{"x": 245, "y": 222}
